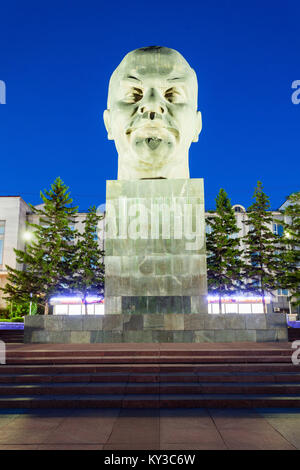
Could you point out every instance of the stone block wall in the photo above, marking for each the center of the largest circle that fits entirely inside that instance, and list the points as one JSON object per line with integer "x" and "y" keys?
{"x": 155, "y": 328}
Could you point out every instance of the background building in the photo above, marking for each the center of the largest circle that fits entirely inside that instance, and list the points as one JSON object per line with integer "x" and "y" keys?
{"x": 278, "y": 302}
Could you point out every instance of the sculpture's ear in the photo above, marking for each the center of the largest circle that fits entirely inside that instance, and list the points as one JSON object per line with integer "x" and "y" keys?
{"x": 198, "y": 126}
{"x": 106, "y": 118}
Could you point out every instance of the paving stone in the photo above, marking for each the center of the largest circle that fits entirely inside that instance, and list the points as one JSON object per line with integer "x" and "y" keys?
{"x": 245, "y": 430}
{"x": 287, "y": 423}
{"x": 134, "y": 428}
{"x": 192, "y": 428}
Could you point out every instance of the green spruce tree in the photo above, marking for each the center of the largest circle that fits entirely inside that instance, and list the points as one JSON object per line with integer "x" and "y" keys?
{"x": 224, "y": 261}
{"x": 88, "y": 279}
{"x": 48, "y": 258}
{"x": 262, "y": 252}
{"x": 291, "y": 242}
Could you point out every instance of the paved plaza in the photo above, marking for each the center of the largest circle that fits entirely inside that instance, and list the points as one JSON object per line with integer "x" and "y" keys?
{"x": 125, "y": 429}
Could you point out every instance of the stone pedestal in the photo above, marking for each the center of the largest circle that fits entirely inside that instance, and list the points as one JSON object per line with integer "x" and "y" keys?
{"x": 155, "y": 328}
{"x": 155, "y": 259}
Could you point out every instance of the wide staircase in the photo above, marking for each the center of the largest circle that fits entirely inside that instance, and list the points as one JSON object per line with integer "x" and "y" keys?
{"x": 54, "y": 376}
{"x": 12, "y": 336}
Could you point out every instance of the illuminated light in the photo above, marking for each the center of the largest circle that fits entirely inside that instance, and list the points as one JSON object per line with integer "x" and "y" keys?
{"x": 63, "y": 300}
{"x": 27, "y": 236}
{"x": 237, "y": 298}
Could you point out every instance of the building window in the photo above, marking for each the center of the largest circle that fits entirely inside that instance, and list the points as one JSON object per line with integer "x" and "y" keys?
{"x": 238, "y": 209}
{"x": 2, "y": 231}
{"x": 278, "y": 229}
{"x": 282, "y": 292}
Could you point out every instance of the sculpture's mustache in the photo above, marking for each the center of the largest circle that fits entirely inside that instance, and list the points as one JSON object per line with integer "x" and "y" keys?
{"x": 152, "y": 127}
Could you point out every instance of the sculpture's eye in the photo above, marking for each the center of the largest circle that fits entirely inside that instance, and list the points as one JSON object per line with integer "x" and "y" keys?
{"x": 172, "y": 95}
{"x": 135, "y": 95}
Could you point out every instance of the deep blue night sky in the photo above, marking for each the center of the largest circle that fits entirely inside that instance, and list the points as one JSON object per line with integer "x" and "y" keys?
{"x": 56, "y": 59}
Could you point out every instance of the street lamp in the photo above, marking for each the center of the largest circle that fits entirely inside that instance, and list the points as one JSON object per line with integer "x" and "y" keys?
{"x": 27, "y": 236}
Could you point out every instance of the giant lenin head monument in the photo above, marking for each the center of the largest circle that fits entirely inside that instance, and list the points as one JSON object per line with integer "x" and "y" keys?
{"x": 155, "y": 245}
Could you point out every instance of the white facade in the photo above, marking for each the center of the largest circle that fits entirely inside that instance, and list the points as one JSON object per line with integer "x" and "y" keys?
{"x": 13, "y": 214}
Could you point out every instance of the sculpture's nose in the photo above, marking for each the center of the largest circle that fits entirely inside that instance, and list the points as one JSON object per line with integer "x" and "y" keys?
{"x": 152, "y": 106}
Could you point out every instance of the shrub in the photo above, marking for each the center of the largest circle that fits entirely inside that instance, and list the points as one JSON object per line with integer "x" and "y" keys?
{"x": 17, "y": 319}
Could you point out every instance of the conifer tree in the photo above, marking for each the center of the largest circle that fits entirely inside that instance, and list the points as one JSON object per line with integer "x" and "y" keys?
{"x": 291, "y": 242}
{"x": 47, "y": 259}
{"x": 262, "y": 248}
{"x": 224, "y": 262}
{"x": 88, "y": 266}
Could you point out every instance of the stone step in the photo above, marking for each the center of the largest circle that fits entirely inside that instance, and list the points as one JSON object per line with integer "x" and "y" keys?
{"x": 150, "y": 401}
{"x": 140, "y": 359}
{"x": 206, "y": 377}
{"x": 148, "y": 388}
{"x": 41, "y": 353}
{"x": 148, "y": 368}
{"x": 11, "y": 334}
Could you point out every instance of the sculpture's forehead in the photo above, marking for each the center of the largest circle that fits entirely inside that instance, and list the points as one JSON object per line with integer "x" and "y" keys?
{"x": 155, "y": 63}
{"x": 160, "y": 64}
